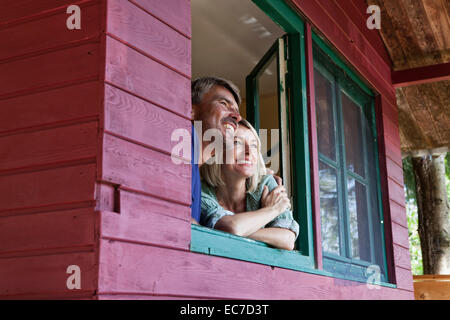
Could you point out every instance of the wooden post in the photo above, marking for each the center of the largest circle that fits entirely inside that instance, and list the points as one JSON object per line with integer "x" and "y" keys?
{"x": 433, "y": 211}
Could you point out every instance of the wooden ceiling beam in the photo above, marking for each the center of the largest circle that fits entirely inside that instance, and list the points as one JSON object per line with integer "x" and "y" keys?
{"x": 415, "y": 76}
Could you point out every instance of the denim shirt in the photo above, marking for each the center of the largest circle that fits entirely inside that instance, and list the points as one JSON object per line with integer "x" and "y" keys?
{"x": 195, "y": 182}
{"x": 211, "y": 211}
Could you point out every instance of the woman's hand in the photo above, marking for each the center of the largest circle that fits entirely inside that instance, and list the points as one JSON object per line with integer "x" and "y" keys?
{"x": 277, "y": 199}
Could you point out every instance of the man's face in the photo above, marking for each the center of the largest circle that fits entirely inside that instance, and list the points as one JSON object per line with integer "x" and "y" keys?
{"x": 218, "y": 110}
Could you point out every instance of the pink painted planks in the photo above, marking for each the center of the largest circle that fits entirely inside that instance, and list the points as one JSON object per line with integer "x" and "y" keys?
{"x": 49, "y": 107}
{"x": 400, "y": 235}
{"x": 149, "y": 220}
{"x": 47, "y": 146}
{"x": 142, "y": 169}
{"x": 173, "y": 272}
{"x": 371, "y": 67}
{"x": 355, "y": 36}
{"x": 49, "y": 69}
{"x": 141, "y": 121}
{"x": 136, "y": 27}
{"x": 140, "y": 75}
{"x": 402, "y": 258}
{"x": 174, "y": 13}
{"x": 27, "y": 277}
{"x": 12, "y": 10}
{"x": 404, "y": 279}
{"x": 396, "y": 192}
{"x": 358, "y": 14}
{"x": 398, "y": 213}
{"x": 147, "y": 228}
{"x": 47, "y": 187}
{"x": 46, "y": 231}
{"x": 33, "y": 36}
{"x": 394, "y": 171}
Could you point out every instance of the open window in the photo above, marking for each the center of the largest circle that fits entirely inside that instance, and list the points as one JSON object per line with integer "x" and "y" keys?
{"x": 267, "y": 109}
{"x": 260, "y": 36}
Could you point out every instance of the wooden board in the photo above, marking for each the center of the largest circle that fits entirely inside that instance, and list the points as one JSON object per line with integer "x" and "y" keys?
{"x": 46, "y": 231}
{"x": 37, "y": 276}
{"x": 32, "y": 37}
{"x": 141, "y": 121}
{"x": 37, "y": 189}
{"x": 49, "y": 70}
{"x": 174, "y": 13}
{"x": 144, "y": 77}
{"x": 54, "y": 145}
{"x": 173, "y": 272}
{"x": 58, "y": 105}
{"x": 12, "y": 10}
{"x": 152, "y": 37}
{"x": 371, "y": 67}
{"x": 144, "y": 170}
{"x": 432, "y": 287}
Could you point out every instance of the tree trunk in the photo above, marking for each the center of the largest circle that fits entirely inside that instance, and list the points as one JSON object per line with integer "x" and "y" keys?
{"x": 433, "y": 213}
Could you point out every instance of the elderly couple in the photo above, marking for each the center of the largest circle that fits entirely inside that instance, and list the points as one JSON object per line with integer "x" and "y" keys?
{"x": 236, "y": 196}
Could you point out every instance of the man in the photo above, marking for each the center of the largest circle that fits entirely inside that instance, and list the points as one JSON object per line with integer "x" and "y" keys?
{"x": 215, "y": 102}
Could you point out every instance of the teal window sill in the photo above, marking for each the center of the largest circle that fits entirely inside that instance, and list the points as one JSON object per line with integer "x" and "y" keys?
{"x": 218, "y": 243}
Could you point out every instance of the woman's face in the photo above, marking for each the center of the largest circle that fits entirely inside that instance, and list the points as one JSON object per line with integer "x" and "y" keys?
{"x": 245, "y": 153}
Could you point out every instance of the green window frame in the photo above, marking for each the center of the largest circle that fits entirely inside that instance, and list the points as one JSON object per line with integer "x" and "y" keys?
{"x": 344, "y": 82}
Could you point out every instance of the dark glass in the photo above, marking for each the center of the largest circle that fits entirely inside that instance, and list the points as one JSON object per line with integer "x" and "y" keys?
{"x": 353, "y": 135}
{"x": 329, "y": 208}
{"x": 269, "y": 116}
{"x": 324, "y": 113}
{"x": 358, "y": 220}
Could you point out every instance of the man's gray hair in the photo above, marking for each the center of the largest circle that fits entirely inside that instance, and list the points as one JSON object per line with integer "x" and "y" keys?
{"x": 202, "y": 85}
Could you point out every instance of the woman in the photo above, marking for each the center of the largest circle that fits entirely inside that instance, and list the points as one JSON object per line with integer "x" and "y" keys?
{"x": 237, "y": 197}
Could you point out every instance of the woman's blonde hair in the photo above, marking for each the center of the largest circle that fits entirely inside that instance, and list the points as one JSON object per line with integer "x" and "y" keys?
{"x": 212, "y": 173}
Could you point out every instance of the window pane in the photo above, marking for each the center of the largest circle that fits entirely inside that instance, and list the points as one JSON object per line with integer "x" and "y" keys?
{"x": 358, "y": 220}
{"x": 353, "y": 135}
{"x": 324, "y": 112}
{"x": 329, "y": 208}
{"x": 269, "y": 116}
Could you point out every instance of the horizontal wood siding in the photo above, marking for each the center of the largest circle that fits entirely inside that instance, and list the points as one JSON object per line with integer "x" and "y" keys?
{"x": 50, "y": 98}
{"x": 143, "y": 197}
{"x": 140, "y": 121}
{"x": 175, "y": 272}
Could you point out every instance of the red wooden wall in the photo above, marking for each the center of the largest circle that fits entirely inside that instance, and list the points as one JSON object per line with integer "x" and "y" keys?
{"x": 147, "y": 96}
{"x": 50, "y": 97}
{"x": 86, "y": 176}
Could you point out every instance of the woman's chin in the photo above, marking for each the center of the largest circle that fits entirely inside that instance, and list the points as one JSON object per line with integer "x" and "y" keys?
{"x": 246, "y": 172}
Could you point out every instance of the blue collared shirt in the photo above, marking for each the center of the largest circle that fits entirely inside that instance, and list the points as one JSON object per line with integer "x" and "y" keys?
{"x": 196, "y": 187}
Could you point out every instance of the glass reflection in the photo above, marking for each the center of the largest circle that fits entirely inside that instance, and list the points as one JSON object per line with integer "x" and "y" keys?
{"x": 329, "y": 207}
{"x": 358, "y": 220}
{"x": 324, "y": 112}
{"x": 353, "y": 135}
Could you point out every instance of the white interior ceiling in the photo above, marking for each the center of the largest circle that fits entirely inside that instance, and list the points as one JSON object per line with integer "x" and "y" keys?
{"x": 229, "y": 37}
